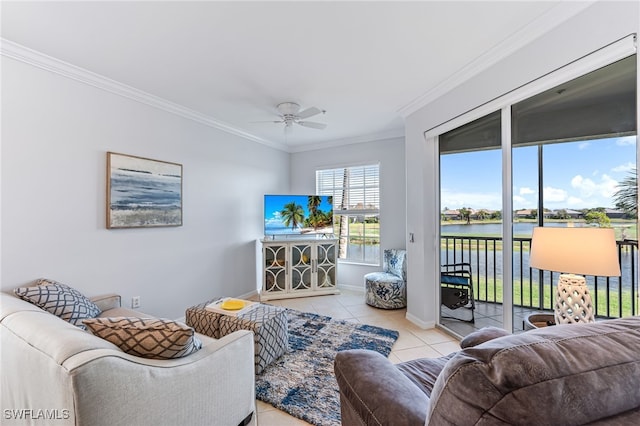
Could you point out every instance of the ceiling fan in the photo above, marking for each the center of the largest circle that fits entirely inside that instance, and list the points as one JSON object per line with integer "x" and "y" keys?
{"x": 290, "y": 114}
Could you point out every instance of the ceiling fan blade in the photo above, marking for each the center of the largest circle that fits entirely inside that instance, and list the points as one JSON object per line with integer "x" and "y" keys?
{"x": 267, "y": 121}
{"x": 312, "y": 124}
{"x": 309, "y": 112}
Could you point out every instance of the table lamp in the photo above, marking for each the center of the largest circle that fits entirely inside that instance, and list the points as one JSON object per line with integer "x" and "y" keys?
{"x": 572, "y": 251}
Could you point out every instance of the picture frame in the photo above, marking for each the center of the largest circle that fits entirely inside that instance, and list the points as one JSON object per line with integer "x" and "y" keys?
{"x": 143, "y": 193}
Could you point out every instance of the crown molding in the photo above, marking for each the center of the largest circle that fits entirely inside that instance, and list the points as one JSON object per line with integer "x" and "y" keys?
{"x": 541, "y": 25}
{"x": 312, "y": 146}
{"x": 32, "y": 57}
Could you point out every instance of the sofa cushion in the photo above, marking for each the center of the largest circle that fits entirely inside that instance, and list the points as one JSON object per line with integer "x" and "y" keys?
{"x": 59, "y": 299}
{"x": 374, "y": 392}
{"x": 424, "y": 372}
{"x": 567, "y": 374}
{"x": 154, "y": 338}
{"x": 483, "y": 335}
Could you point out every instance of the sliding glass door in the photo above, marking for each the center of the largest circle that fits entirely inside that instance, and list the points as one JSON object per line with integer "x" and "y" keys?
{"x": 573, "y": 146}
{"x": 470, "y": 225}
{"x": 564, "y": 156}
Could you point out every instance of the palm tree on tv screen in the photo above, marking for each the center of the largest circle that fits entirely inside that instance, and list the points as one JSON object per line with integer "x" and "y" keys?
{"x": 292, "y": 215}
{"x": 313, "y": 202}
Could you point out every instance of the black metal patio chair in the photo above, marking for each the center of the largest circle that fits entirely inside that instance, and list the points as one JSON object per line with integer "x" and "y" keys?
{"x": 456, "y": 290}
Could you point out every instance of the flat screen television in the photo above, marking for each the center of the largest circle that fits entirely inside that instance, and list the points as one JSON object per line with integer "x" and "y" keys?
{"x": 298, "y": 215}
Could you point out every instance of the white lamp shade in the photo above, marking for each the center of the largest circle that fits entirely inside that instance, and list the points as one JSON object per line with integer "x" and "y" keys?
{"x": 583, "y": 251}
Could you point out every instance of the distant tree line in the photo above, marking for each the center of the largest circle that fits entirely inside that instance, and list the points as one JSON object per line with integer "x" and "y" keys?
{"x": 626, "y": 199}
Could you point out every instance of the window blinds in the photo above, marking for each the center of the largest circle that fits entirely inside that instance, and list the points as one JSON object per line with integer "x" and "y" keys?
{"x": 355, "y": 190}
{"x": 596, "y": 105}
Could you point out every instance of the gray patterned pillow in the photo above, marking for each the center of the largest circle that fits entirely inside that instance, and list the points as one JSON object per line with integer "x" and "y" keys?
{"x": 60, "y": 300}
{"x": 154, "y": 338}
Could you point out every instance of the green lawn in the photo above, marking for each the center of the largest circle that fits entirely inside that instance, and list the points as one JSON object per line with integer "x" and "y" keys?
{"x": 493, "y": 292}
{"x": 526, "y": 296}
{"x": 361, "y": 233}
{"x": 369, "y": 233}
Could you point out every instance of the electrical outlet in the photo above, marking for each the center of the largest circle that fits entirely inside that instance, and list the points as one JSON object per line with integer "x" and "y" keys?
{"x": 135, "y": 302}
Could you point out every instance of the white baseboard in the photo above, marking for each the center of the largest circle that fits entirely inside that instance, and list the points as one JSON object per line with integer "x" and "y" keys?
{"x": 355, "y": 288}
{"x": 422, "y": 324}
{"x": 249, "y": 295}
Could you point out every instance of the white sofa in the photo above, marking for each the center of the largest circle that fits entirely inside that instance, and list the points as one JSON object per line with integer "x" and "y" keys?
{"x": 53, "y": 372}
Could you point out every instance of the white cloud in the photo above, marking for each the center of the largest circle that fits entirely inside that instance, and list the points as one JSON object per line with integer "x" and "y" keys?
{"x": 584, "y": 185}
{"x": 588, "y": 188}
{"x": 627, "y": 140}
{"x": 624, "y": 167}
{"x": 584, "y": 145}
{"x": 274, "y": 220}
{"x": 554, "y": 195}
{"x": 521, "y": 202}
{"x": 526, "y": 191}
{"x": 575, "y": 202}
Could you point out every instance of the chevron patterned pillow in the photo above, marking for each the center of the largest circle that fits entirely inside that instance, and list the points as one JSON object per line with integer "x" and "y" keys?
{"x": 60, "y": 300}
{"x": 154, "y": 338}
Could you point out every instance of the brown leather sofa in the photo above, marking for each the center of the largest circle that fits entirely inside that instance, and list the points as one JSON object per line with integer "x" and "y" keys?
{"x": 562, "y": 375}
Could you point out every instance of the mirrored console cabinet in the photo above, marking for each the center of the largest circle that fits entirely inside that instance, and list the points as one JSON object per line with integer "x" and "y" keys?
{"x": 298, "y": 268}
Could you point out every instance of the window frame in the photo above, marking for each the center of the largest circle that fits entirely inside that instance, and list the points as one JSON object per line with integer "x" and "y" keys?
{"x": 607, "y": 55}
{"x": 328, "y": 183}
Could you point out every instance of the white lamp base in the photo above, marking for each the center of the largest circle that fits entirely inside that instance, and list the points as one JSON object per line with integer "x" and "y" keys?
{"x": 573, "y": 302}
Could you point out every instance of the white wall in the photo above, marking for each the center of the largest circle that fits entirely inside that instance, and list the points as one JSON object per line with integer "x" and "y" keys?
{"x": 55, "y": 135}
{"x": 389, "y": 153}
{"x": 597, "y": 26}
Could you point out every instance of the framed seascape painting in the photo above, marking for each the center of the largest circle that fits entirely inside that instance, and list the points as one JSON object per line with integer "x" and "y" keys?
{"x": 142, "y": 192}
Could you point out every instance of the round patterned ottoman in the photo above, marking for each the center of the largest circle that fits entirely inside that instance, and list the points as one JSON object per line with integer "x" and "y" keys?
{"x": 385, "y": 290}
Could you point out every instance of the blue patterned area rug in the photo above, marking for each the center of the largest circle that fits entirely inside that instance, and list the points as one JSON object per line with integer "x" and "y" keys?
{"x": 302, "y": 382}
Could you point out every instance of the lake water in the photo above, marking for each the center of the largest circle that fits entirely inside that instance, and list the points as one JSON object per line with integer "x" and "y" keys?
{"x": 523, "y": 229}
{"x": 372, "y": 253}
{"x": 520, "y": 229}
{"x": 495, "y": 229}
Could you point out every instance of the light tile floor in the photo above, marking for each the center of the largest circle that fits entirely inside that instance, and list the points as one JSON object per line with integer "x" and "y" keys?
{"x": 487, "y": 315}
{"x": 413, "y": 342}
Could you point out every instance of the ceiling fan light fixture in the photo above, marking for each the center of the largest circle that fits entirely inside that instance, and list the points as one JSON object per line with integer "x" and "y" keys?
{"x": 290, "y": 114}
{"x": 288, "y": 108}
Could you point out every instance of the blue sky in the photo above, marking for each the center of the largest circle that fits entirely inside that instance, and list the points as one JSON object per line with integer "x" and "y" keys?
{"x": 577, "y": 175}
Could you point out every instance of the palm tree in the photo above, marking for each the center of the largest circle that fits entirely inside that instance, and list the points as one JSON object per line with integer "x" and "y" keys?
{"x": 482, "y": 214}
{"x": 466, "y": 214}
{"x": 313, "y": 202}
{"x": 343, "y": 226}
{"x": 292, "y": 214}
{"x": 627, "y": 195}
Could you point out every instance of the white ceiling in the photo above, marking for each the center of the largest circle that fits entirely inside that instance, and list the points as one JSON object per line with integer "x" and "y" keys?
{"x": 366, "y": 63}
